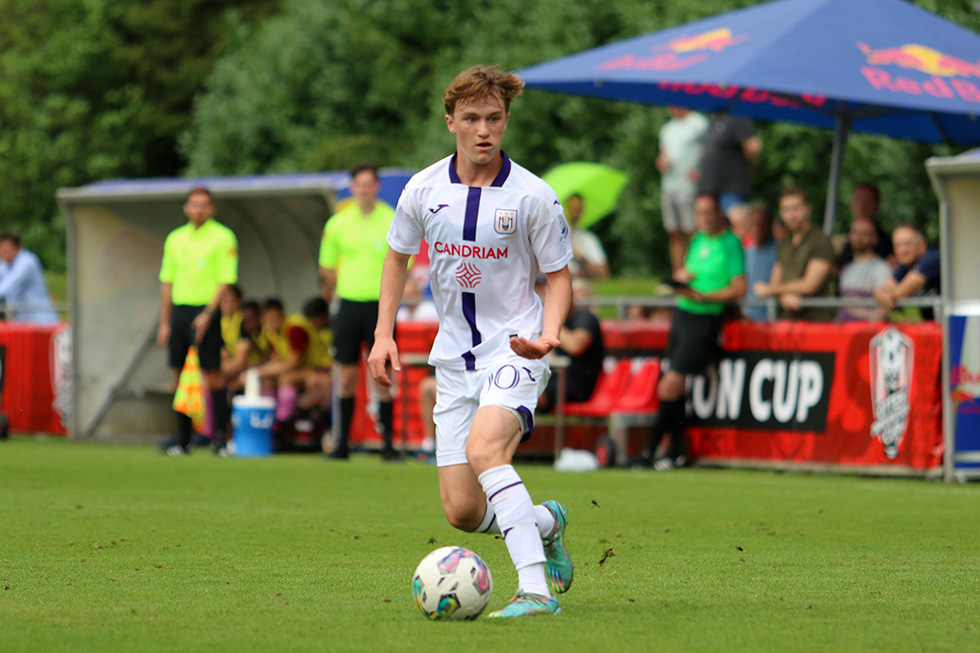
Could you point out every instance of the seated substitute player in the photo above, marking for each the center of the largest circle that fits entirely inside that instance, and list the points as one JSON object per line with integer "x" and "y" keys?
{"x": 298, "y": 356}
{"x": 490, "y": 224}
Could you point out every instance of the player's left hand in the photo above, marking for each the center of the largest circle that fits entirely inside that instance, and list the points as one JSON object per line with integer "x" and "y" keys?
{"x": 533, "y": 350}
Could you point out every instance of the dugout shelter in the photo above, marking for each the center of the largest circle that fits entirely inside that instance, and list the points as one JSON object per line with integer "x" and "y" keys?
{"x": 115, "y": 235}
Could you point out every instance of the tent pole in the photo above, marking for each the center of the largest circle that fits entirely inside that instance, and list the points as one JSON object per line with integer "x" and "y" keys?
{"x": 841, "y": 129}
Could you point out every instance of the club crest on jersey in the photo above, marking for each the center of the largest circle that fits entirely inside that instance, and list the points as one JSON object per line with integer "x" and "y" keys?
{"x": 468, "y": 275}
{"x": 505, "y": 221}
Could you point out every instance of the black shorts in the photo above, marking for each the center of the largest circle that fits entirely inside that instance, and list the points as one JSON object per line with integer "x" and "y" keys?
{"x": 353, "y": 325}
{"x": 182, "y": 337}
{"x": 693, "y": 341}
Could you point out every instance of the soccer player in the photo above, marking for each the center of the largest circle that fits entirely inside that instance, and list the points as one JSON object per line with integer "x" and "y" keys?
{"x": 490, "y": 225}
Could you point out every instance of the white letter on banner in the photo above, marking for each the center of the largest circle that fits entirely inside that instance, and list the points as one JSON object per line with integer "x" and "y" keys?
{"x": 760, "y": 407}
{"x": 703, "y": 403}
{"x": 731, "y": 382}
{"x": 784, "y": 387}
{"x": 811, "y": 388}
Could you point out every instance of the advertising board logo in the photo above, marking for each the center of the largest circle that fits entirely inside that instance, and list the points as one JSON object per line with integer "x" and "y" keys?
{"x": 891, "y": 381}
{"x": 679, "y": 53}
{"x": 769, "y": 390}
{"x": 947, "y": 76}
{"x": 965, "y": 371}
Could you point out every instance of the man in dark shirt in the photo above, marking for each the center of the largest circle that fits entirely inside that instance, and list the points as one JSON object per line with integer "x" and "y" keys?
{"x": 729, "y": 148}
{"x": 865, "y": 203}
{"x": 918, "y": 272}
{"x": 581, "y": 342}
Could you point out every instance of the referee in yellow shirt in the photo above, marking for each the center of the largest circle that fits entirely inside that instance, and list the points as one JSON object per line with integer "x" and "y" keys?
{"x": 200, "y": 261}
{"x": 352, "y": 254}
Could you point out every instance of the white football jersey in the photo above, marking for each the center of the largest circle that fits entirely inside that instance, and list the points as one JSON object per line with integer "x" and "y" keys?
{"x": 486, "y": 246}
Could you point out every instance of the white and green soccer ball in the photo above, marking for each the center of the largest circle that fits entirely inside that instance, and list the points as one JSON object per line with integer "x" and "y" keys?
{"x": 452, "y": 582}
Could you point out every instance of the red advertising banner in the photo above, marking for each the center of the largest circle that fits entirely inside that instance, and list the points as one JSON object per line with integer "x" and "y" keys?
{"x": 844, "y": 394}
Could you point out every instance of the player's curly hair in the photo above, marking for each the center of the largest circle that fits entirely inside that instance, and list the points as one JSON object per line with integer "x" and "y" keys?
{"x": 481, "y": 82}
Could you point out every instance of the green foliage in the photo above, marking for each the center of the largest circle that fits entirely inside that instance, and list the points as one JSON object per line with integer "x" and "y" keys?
{"x": 99, "y": 89}
{"x": 124, "y": 549}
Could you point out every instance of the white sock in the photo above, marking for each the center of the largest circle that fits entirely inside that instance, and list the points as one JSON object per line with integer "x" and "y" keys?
{"x": 515, "y": 517}
{"x": 544, "y": 518}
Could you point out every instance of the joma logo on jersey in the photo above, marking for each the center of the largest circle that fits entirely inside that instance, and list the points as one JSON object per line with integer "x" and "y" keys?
{"x": 465, "y": 250}
{"x": 505, "y": 221}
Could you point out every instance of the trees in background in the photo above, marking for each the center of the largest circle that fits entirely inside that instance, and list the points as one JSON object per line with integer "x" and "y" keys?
{"x": 100, "y": 89}
{"x": 97, "y": 89}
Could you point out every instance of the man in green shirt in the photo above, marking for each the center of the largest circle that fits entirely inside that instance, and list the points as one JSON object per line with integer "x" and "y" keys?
{"x": 200, "y": 261}
{"x": 352, "y": 255}
{"x": 803, "y": 263}
{"x": 713, "y": 275}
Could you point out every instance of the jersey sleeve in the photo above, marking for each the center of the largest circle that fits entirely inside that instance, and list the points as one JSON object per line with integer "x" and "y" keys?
{"x": 168, "y": 265}
{"x": 328, "y": 248}
{"x": 823, "y": 249}
{"x": 406, "y": 231}
{"x": 228, "y": 260}
{"x": 549, "y": 234}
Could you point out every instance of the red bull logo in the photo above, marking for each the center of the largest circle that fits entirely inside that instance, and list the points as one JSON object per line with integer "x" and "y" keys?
{"x": 679, "y": 53}
{"x": 948, "y": 76}
{"x": 716, "y": 40}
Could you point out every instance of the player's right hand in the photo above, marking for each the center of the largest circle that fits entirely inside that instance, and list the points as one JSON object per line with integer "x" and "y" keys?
{"x": 384, "y": 351}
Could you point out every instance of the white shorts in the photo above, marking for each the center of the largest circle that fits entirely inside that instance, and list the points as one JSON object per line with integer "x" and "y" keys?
{"x": 514, "y": 383}
{"x": 678, "y": 212}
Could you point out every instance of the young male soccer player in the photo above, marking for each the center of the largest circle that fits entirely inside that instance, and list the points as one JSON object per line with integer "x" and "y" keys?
{"x": 490, "y": 225}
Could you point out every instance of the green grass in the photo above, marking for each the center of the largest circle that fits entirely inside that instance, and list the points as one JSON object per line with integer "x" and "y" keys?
{"x": 121, "y": 548}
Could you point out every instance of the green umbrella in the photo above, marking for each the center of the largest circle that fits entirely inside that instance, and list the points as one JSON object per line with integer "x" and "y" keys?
{"x": 598, "y": 184}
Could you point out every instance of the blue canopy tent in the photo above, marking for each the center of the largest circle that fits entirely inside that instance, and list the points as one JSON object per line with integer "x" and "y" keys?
{"x": 116, "y": 231}
{"x": 876, "y": 66}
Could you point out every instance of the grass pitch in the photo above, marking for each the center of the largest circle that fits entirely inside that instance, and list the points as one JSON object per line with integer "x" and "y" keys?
{"x": 121, "y": 548}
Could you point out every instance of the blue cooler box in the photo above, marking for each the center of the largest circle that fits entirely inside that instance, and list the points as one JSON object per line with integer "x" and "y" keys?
{"x": 251, "y": 423}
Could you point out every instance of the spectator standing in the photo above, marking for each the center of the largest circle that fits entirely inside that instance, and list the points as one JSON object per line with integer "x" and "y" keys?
{"x": 918, "y": 273}
{"x": 590, "y": 257}
{"x": 581, "y": 342}
{"x": 865, "y": 272}
{"x": 760, "y": 257}
{"x": 200, "y": 261}
{"x": 803, "y": 263}
{"x": 865, "y": 204}
{"x": 677, "y": 161}
{"x": 22, "y": 282}
{"x": 713, "y": 276}
{"x": 351, "y": 258}
{"x": 729, "y": 150}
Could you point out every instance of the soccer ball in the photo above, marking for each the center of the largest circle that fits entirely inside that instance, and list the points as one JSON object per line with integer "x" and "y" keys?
{"x": 452, "y": 583}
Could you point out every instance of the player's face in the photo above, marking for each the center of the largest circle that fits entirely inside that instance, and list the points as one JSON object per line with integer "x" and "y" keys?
{"x": 909, "y": 247}
{"x": 794, "y": 212}
{"x": 272, "y": 320}
{"x": 479, "y": 128}
{"x": 230, "y": 303}
{"x": 199, "y": 208}
{"x": 364, "y": 186}
{"x": 251, "y": 321}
